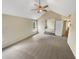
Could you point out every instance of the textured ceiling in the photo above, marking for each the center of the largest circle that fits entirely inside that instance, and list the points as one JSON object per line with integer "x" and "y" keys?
{"x": 23, "y": 8}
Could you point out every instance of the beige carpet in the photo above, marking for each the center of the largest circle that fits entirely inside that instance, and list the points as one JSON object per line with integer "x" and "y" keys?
{"x": 40, "y": 46}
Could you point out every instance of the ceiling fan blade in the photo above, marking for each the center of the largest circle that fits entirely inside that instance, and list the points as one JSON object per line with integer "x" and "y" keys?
{"x": 45, "y": 10}
{"x": 38, "y": 11}
{"x": 45, "y": 6}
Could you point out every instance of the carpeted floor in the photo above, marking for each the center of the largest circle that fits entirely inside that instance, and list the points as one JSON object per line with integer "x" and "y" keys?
{"x": 40, "y": 46}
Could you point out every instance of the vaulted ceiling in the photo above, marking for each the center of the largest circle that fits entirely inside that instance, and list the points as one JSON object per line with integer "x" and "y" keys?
{"x": 23, "y": 8}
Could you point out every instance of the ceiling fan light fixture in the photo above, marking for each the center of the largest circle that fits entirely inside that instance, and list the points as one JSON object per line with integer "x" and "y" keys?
{"x": 40, "y": 10}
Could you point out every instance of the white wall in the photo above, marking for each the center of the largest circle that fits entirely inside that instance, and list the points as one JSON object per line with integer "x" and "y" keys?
{"x": 41, "y": 25}
{"x": 59, "y": 27}
{"x": 15, "y": 29}
{"x": 50, "y": 17}
{"x": 72, "y": 34}
{"x": 51, "y": 23}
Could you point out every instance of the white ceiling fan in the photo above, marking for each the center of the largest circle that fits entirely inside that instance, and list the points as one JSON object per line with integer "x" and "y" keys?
{"x": 40, "y": 8}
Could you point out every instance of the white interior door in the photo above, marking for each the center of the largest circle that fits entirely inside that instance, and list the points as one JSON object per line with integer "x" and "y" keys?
{"x": 59, "y": 27}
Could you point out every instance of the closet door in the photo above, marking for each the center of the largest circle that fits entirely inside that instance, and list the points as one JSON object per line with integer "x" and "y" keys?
{"x": 59, "y": 27}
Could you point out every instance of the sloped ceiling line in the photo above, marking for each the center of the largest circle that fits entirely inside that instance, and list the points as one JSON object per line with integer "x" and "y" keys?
{"x": 23, "y": 7}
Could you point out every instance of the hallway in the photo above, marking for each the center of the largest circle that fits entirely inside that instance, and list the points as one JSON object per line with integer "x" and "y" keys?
{"x": 40, "y": 46}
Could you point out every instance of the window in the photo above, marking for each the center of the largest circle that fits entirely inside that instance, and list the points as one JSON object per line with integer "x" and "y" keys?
{"x": 45, "y": 24}
{"x": 35, "y": 25}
